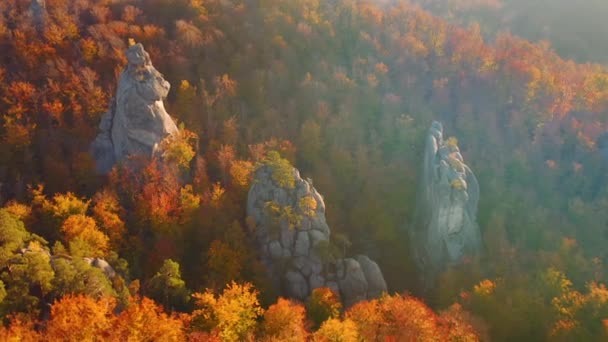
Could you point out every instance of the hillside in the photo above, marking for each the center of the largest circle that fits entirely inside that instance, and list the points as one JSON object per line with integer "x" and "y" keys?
{"x": 345, "y": 91}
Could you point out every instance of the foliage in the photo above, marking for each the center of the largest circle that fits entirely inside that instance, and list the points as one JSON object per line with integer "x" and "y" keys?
{"x": 323, "y": 304}
{"x": 335, "y": 330}
{"x": 107, "y": 213}
{"x": 283, "y": 214}
{"x": 12, "y": 235}
{"x": 180, "y": 148}
{"x": 144, "y": 320}
{"x": 75, "y": 276}
{"x": 308, "y": 205}
{"x": 168, "y": 288}
{"x": 83, "y": 237}
{"x": 281, "y": 169}
{"x": 345, "y": 92}
{"x": 80, "y": 318}
{"x": 232, "y": 314}
{"x": 284, "y": 321}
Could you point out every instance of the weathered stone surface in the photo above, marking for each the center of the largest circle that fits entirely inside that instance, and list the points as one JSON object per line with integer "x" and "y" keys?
{"x": 137, "y": 121}
{"x": 351, "y": 282}
{"x": 296, "y": 285}
{"x": 290, "y": 225}
{"x": 302, "y": 245}
{"x": 446, "y": 226}
{"x": 103, "y": 265}
{"x": 375, "y": 280}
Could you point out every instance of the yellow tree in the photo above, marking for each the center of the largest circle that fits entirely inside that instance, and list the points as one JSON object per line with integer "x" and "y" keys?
{"x": 335, "y": 330}
{"x": 80, "y": 318}
{"x": 83, "y": 237}
{"x": 232, "y": 315}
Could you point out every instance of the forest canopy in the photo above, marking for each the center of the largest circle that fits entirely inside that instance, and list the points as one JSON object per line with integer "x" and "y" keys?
{"x": 161, "y": 248}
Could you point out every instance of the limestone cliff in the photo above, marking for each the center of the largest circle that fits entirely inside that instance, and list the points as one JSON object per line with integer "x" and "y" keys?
{"x": 446, "y": 220}
{"x": 136, "y": 121}
{"x": 293, "y": 238}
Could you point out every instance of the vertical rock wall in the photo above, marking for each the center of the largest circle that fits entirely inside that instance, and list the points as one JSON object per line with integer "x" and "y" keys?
{"x": 446, "y": 219}
{"x": 136, "y": 121}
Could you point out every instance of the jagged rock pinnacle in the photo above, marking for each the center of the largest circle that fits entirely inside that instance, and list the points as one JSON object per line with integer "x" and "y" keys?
{"x": 136, "y": 121}
{"x": 446, "y": 227}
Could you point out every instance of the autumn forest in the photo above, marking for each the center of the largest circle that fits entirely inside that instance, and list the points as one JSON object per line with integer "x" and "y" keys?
{"x": 163, "y": 247}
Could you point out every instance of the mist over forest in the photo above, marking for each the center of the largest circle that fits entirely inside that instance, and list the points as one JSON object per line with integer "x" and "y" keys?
{"x": 575, "y": 29}
{"x": 303, "y": 170}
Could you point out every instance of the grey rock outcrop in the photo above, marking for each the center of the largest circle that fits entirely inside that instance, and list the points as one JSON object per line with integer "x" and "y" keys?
{"x": 38, "y": 12}
{"x": 446, "y": 227}
{"x": 103, "y": 265}
{"x": 100, "y": 263}
{"x": 294, "y": 241}
{"x": 137, "y": 121}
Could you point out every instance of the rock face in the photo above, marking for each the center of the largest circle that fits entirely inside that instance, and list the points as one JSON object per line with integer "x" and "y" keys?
{"x": 38, "y": 12}
{"x": 294, "y": 239}
{"x": 136, "y": 121}
{"x": 446, "y": 220}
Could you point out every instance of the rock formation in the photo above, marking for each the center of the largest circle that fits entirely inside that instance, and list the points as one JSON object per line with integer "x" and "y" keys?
{"x": 100, "y": 263}
{"x": 136, "y": 121}
{"x": 294, "y": 238}
{"x": 38, "y": 12}
{"x": 446, "y": 220}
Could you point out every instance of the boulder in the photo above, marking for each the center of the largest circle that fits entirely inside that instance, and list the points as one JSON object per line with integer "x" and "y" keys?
{"x": 351, "y": 281}
{"x": 137, "y": 121}
{"x": 375, "y": 280}
{"x": 103, "y": 265}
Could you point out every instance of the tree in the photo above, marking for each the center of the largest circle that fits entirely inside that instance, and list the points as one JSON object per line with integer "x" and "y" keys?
{"x": 241, "y": 172}
{"x": 80, "y": 318}
{"x": 402, "y": 318}
{"x": 107, "y": 212}
{"x": 460, "y": 325}
{"x": 12, "y": 236}
{"x": 335, "y": 330}
{"x": 76, "y": 276}
{"x": 21, "y": 329}
{"x": 282, "y": 171}
{"x": 180, "y": 148}
{"x": 224, "y": 263}
{"x": 233, "y": 314}
{"x": 168, "y": 288}
{"x": 322, "y": 305}
{"x": 146, "y": 321}
{"x": 27, "y": 279}
{"x": 284, "y": 321}
{"x": 83, "y": 237}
